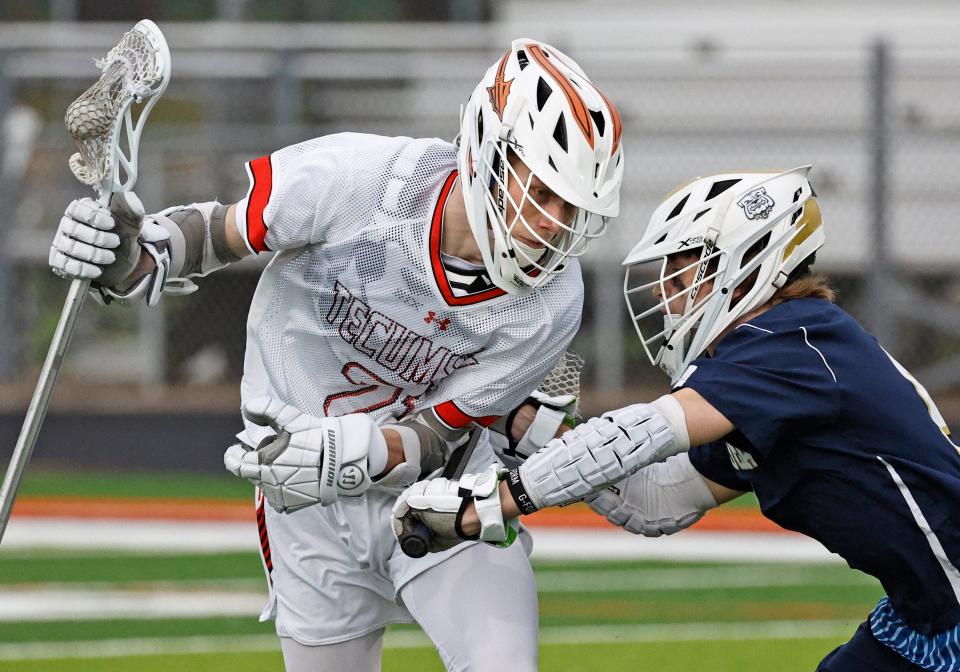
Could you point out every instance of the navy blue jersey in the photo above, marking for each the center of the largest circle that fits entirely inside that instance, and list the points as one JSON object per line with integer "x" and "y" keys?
{"x": 840, "y": 443}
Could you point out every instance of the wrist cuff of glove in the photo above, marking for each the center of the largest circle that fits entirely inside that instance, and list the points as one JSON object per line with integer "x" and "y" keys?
{"x": 484, "y": 491}
{"x": 407, "y": 472}
{"x": 519, "y": 492}
{"x": 458, "y": 522}
{"x": 544, "y": 427}
{"x": 489, "y": 511}
{"x": 149, "y": 286}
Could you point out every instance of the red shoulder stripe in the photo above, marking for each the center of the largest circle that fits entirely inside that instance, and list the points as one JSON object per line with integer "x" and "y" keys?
{"x": 454, "y": 417}
{"x": 261, "y": 171}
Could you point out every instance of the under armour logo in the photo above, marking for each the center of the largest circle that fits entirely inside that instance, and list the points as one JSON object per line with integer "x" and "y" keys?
{"x": 431, "y": 317}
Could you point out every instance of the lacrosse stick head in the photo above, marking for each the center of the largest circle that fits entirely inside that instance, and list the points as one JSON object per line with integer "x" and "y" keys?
{"x": 101, "y": 121}
{"x": 564, "y": 379}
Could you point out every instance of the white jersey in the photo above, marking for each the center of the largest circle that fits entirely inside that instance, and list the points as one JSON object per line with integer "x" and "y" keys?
{"x": 355, "y": 313}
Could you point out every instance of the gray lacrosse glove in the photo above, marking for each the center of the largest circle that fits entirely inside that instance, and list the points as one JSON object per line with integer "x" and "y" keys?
{"x": 310, "y": 460}
{"x": 104, "y": 245}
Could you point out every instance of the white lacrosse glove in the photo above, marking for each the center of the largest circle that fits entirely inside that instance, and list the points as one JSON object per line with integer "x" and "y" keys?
{"x": 662, "y": 498}
{"x": 439, "y": 504}
{"x": 103, "y": 245}
{"x": 311, "y": 460}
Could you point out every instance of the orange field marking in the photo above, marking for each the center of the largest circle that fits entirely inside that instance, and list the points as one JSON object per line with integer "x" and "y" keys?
{"x": 573, "y": 516}
{"x": 140, "y": 509}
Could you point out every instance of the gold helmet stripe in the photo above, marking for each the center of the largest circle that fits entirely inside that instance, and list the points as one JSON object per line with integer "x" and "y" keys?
{"x": 809, "y": 221}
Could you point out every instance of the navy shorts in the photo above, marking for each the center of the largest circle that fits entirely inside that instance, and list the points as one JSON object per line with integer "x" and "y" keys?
{"x": 863, "y": 653}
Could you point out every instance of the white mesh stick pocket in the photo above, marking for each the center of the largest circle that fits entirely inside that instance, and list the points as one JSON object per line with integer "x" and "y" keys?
{"x": 136, "y": 70}
{"x": 564, "y": 378}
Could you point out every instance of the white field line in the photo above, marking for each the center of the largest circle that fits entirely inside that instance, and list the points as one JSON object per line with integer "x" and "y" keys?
{"x": 52, "y": 605}
{"x": 549, "y": 544}
{"x": 131, "y": 535}
{"x": 173, "y": 586}
{"x": 694, "y": 578}
{"x": 404, "y": 639}
{"x": 601, "y": 544}
{"x": 101, "y": 600}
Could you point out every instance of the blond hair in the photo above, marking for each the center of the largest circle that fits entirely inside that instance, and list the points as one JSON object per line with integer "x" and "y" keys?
{"x": 805, "y": 287}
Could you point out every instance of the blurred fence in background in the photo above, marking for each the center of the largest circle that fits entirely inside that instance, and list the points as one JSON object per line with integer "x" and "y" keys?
{"x": 881, "y": 127}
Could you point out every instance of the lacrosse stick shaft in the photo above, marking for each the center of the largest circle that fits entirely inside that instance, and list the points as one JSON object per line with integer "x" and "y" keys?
{"x": 140, "y": 66}
{"x": 41, "y": 400}
{"x": 415, "y": 541}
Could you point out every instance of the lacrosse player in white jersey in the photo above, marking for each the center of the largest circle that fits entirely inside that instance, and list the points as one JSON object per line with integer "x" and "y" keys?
{"x": 418, "y": 290}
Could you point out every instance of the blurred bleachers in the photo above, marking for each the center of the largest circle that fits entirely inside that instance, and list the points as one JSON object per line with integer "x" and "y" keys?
{"x": 701, "y": 88}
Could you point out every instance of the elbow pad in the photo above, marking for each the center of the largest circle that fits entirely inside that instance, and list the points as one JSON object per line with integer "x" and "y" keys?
{"x": 593, "y": 455}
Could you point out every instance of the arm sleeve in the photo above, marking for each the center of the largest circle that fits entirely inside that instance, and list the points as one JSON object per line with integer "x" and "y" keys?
{"x": 294, "y": 193}
{"x": 771, "y": 386}
{"x": 712, "y": 461}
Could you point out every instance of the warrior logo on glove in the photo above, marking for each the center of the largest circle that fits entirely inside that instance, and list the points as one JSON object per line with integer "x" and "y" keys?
{"x": 350, "y": 478}
{"x": 288, "y": 466}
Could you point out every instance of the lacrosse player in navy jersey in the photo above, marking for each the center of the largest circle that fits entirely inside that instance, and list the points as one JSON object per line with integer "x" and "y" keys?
{"x": 419, "y": 289}
{"x": 776, "y": 390}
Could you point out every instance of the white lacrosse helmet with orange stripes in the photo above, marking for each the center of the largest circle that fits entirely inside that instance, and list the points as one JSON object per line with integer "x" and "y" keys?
{"x": 537, "y": 105}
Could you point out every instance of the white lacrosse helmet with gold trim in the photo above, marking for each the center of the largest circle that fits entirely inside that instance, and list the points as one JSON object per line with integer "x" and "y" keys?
{"x": 538, "y": 104}
{"x": 750, "y": 229}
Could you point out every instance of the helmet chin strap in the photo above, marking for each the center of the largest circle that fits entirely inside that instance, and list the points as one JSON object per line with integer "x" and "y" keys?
{"x": 529, "y": 253}
{"x": 672, "y": 358}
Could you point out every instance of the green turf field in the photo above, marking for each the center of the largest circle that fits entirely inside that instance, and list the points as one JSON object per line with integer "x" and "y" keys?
{"x": 594, "y": 616}
{"x": 690, "y": 655}
{"x": 53, "y": 483}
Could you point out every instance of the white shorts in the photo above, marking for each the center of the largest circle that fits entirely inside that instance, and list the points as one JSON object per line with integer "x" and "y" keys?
{"x": 479, "y": 608}
{"x": 335, "y": 571}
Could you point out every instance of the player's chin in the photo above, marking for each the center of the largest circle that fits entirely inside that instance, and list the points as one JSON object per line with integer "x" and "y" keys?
{"x": 532, "y": 244}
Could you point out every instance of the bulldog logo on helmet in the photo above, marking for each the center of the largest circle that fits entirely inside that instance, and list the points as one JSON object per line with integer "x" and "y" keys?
{"x": 757, "y": 204}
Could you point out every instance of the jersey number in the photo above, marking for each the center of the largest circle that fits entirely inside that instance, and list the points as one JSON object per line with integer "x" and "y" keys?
{"x": 376, "y": 393}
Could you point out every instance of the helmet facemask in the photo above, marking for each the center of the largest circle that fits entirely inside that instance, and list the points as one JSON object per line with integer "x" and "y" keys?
{"x": 667, "y": 311}
{"x": 519, "y": 249}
